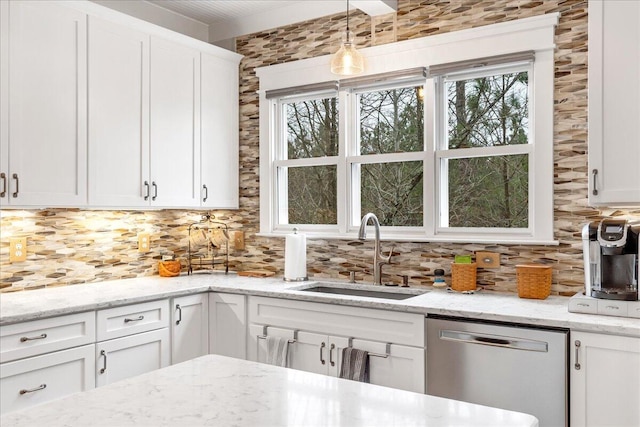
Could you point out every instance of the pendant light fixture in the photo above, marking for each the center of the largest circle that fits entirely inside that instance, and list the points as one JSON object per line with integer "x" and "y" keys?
{"x": 347, "y": 60}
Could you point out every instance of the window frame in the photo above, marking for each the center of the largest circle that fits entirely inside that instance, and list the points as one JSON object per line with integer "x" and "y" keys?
{"x": 443, "y": 152}
{"x": 530, "y": 34}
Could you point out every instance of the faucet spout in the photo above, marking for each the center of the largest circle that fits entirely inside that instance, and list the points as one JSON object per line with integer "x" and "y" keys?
{"x": 378, "y": 259}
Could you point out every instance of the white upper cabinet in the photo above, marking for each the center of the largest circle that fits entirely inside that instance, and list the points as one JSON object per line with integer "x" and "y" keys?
{"x": 44, "y": 107}
{"x": 614, "y": 103}
{"x": 219, "y": 157}
{"x": 175, "y": 124}
{"x": 99, "y": 109}
{"x": 118, "y": 115}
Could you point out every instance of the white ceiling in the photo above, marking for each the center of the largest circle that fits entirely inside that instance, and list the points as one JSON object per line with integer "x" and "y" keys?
{"x": 232, "y": 18}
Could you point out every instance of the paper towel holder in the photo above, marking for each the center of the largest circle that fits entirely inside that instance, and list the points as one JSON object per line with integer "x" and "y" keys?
{"x": 296, "y": 279}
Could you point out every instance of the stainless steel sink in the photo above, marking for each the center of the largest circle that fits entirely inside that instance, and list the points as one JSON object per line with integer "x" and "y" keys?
{"x": 362, "y": 291}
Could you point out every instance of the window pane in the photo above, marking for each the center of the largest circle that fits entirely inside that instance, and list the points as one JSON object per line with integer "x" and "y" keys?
{"x": 488, "y": 111}
{"x": 393, "y": 191}
{"x": 489, "y": 192}
{"x": 312, "y": 128}
{"x": 391, "y": 121}
{"x": 312, "y": 195}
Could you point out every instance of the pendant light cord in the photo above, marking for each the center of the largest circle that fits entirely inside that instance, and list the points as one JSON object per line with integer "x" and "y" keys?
{"x": 348, "y": 39}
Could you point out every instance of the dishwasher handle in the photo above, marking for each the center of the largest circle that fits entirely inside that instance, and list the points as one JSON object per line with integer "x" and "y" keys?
{"x": 494, "y": 340}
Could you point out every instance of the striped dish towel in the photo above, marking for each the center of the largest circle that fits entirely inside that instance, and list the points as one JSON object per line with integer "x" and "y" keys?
{"x": 277, "y": 351}
{"x": 355, "y": 365}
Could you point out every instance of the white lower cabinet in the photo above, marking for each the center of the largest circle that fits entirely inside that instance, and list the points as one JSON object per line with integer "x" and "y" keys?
{"x": 228, "y": 325}
{"x": 130, "y": 356}
{"x": 132, "y": 340}
{"x": 189, "y": 327}
{"x": 395, "y": 341}
{"x": 605, "y": 380}
{"x": 39, "y": 379}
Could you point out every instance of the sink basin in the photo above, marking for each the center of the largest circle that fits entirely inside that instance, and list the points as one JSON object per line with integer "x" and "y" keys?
{"x": 383, "y": 293}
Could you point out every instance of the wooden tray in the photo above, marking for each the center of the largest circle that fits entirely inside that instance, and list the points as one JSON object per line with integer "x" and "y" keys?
{"x": 256, "y": 273}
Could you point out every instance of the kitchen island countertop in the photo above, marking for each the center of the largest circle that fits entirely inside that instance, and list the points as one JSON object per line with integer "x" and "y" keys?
{"x": 217, "y": 390}
{"x": 551, "y": 312}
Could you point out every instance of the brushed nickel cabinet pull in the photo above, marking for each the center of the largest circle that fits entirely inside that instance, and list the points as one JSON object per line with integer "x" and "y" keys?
{"x": 146, "y": 194}
{"x": 179, "y": 314}
{"x": 3, "y": 177}
{"x": 40, "y": 387}
{"x": 15, "y": 194}
{"x": 39, "y": 337}
{"x": 595, "y": 182}
{"x": 577, "y": 364}
{"x": 333, "y": 346}
{"x": 206, "y": 193}
{"x": 322, "y": 346}
{"x": 104, "y": 367}
{"x": 155, "y": 190}
{"x": 127, "y": 320}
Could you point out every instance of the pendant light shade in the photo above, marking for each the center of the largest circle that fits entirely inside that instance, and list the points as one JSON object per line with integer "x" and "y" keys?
{"x": 347, "y": 60}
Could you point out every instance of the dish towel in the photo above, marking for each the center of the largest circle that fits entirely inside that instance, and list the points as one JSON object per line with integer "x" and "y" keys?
{"x": 355, "y": 365}
{"x": 277, "y": 351}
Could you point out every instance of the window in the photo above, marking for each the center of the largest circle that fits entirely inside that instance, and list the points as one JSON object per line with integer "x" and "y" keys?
{"x": 389, "y": 168}
{"x": 456, "y": 151}
{"x": 484, "y": 149}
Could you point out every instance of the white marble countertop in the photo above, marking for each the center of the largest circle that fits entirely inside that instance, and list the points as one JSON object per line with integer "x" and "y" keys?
{"x": 551, "y": 312}
{"x": 216, "y": 390}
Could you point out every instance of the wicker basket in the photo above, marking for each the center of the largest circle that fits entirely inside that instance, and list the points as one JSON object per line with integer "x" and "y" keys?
{"x": 463, "y": 277}
{"x": 534, "y": 281}
{"x": 169, "y": 268}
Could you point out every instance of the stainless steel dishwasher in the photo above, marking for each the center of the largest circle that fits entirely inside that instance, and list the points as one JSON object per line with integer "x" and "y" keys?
{"x": 511, "y": 367}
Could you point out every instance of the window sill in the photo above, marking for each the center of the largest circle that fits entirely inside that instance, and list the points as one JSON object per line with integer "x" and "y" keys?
{"x": 387, "y": 237}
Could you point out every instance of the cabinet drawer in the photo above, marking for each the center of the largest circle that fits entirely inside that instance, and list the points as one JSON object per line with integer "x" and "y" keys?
{"x": 46, "y": 335}
{"x": 365, "y": 323}
{"x": 132, "y": 319}
{"x": 38, "y": 379}
{"x": 612, "y": 307}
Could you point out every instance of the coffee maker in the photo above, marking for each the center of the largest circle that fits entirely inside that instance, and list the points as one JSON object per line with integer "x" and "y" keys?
{"x": 611, "y": 267}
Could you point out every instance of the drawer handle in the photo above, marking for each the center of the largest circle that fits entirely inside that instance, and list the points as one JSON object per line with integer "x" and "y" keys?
{"x": 40, "y": 387}
{"x": 333, "y": 346}
{"x": 127, "y": 320}
{"x": 40, "y": 337}
{"x": 577, "y": 364}
{"x": 104, "y": 367}
{"x": 179, "y": 314}
{"x": 582, "y": 304}
{"x": 322, "y": 346}
{"x": 612, "y": 307}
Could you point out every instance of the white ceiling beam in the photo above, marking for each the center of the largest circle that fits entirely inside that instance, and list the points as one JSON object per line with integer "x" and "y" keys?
{"x": 376, "y": 7}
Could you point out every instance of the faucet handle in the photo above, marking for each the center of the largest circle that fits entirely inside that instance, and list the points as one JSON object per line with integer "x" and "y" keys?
{"x": 388, "y": 260}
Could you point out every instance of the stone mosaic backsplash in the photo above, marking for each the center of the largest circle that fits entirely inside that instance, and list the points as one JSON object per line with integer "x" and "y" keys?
{"x": 68, "y": 246}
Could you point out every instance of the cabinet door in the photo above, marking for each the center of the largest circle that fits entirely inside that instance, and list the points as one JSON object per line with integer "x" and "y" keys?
{"x": 38, "y": 379}
{"x": 47, "y": 105}
{"x": 227, "y": 325}
{"x": 403, "y": 368}
{"x": 310, "y": 353}
{"x": 189, "y": 327}
{"x": 175, "y": 124}
{"x": 219, "y": 157}
{"x": 130, "y": 356}
{"x": 4, "y": 102}
{"x": 118, "y": 115}
{"x": 614, "y": 102}
{"x": 605, "y": 380}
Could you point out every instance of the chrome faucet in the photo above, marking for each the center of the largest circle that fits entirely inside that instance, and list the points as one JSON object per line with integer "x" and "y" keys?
{"x": 378, "y": 259}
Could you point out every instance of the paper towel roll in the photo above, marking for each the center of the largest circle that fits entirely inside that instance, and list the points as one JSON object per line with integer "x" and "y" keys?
{"x": 295, "y": 257}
